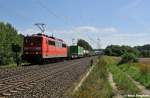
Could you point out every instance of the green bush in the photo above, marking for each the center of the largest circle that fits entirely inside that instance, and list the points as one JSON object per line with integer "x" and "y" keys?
{"x": 128, "y": 58}
{"x": 116, "y": 50}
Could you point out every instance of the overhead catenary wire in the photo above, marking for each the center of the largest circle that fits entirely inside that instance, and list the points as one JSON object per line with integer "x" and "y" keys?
{"x": 52, "y": 13}
{"x": 65, "y": 20}
{"x": 83, "y": 21}
{"x": 22, "y": 16}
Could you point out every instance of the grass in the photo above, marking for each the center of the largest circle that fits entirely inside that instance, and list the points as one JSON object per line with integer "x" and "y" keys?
{"x": 121, "y": 79}
{"x": 96, "y": 85}
{"x": 13, "y": 65}
{"x": 140, "y": 72}
{"x": 10, "y": 66}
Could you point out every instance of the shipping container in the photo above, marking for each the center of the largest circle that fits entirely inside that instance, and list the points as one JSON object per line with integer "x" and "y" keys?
{"x": 75, "y": 51}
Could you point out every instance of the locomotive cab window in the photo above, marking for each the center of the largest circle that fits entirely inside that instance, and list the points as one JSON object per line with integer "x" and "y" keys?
{"x": 64, "y": 45}
{"x": 32, "y": 41}
{"x": 51, "y": 43}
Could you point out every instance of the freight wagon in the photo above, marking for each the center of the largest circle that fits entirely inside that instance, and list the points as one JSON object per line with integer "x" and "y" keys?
{"x": 75, "y": 51}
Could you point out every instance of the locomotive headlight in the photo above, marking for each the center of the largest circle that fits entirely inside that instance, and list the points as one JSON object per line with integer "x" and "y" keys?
{"x": 36, "y": 53}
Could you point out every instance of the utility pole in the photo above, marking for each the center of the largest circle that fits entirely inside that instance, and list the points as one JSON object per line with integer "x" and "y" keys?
{"x": 98, "y": 43}
{"x": 41, "y": 26}
{"x": 73, "y": 41}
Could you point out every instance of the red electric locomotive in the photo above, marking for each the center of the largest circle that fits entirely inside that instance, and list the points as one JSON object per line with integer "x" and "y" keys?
{"x": 40, "y": 47}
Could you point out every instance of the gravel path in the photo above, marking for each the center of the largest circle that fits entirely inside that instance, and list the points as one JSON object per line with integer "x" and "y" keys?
{"x": 141, "y": 87}
{"x": 58, "y": 78}
{"x": 114, "y": 87}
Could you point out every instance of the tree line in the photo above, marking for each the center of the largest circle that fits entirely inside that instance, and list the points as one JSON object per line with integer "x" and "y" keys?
{"x": 117, "y": 50}
{"x": 145, "y": 50}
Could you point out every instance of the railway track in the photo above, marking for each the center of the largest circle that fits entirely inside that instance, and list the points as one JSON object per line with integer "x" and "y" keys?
{"x": 25, "y": 69}
{"x": 31, "y": 71}
{"x": 14, "y": 84}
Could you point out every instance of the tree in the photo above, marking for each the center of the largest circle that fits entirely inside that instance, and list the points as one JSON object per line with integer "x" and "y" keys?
{"x": 128, "y": 58}
{"x": 8, "y": 35}
{"x": 84, "y": 44}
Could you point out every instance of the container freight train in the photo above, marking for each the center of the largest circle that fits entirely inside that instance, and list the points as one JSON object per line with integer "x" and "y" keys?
{"x": 40, "y": 48}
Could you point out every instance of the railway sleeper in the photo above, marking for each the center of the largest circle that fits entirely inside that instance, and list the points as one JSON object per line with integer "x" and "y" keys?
{"x": 6, "y": 93}
{"x": 19, "y": 89}
{"x": 25, "y": 87}
{"x": 32, "y": 83}
{"x": 13, "y": 91}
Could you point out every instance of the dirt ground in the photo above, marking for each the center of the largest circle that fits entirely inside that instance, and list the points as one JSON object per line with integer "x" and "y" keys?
{"x": 144, "y": 60}
{"x": 141, "y": 60}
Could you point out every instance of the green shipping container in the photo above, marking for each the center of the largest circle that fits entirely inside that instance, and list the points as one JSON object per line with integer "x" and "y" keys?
{"x": 76, "y": 51}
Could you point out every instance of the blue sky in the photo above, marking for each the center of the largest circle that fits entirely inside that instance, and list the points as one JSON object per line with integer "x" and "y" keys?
{"x": 123, "y": 22}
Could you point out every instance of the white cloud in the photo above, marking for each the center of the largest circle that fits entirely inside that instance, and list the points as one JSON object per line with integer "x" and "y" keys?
{"x": 29, "y": 31}
{"x": 80, "y": 29}
{"x": 85, "y": 29}
{"x": 111, "y": 29}
{"x": 108, "y": 35}
{"x": 92, "y": 29}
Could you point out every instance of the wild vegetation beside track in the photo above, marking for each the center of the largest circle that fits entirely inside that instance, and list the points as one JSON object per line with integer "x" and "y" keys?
{"x": 139, "y": 72}
{"x": 96, "y": 84}
{"x": 9, "y": 66}
{"x": 124, "y": 84}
